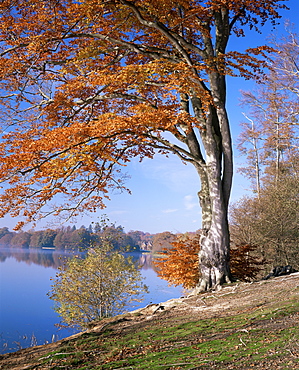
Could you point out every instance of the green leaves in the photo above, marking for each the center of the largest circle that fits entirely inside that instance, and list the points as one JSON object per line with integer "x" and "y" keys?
{"x": 101, "y": 285}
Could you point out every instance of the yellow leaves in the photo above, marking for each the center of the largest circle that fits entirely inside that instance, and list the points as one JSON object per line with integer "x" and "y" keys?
{"x": 101, "y": 285}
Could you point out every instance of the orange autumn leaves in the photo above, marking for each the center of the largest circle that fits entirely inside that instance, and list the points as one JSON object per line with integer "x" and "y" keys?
{"x": 180, "y": 265}
{"x": 86, "y": 86}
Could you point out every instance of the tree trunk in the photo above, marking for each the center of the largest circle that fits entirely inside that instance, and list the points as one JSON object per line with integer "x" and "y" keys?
{"x": 214, "y": 252}
{"x": 214, "y": 198}
{"x": 214, "y": 241}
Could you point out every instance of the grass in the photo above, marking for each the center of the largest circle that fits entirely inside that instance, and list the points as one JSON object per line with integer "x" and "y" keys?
{"x": 261, "y": 333}
{"x": 242, "y": 340}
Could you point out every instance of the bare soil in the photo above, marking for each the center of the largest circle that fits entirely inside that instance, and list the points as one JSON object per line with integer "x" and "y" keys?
{"x": 242, "y": 311}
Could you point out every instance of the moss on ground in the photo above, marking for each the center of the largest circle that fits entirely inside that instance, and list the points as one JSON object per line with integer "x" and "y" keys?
{"x": 240, "y": 341}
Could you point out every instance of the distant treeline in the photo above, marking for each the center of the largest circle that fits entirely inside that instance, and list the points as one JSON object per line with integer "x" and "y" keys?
{"x": 82, "y": 238}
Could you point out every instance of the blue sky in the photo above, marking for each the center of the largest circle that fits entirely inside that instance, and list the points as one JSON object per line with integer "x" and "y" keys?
{"x": 164, "y": 191}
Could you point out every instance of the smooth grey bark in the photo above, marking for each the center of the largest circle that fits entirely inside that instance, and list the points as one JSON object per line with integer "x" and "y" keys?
{"x": 212, "y": 135}
{"x": 215, "y": 170}
{"x": 216, "y": 138}
{"x": 215, "y": 240}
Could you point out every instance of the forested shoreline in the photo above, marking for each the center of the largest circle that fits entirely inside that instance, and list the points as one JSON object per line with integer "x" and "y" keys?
{"x": 71, "y": 237}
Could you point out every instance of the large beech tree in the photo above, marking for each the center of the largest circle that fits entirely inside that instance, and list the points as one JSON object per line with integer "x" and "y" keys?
{"x": 86, "y": 85}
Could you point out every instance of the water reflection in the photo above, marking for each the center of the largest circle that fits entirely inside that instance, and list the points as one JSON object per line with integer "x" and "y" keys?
{"x": 146, "y": 261}
{"x": 54, "y": 258}
{"x": 27, "y": 315}
{"x": 41, "y": 257}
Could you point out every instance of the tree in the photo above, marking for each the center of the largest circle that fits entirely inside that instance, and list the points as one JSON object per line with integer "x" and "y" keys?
{"x": 91, "y": 84}
{"x": 141, "y": 240}
{"x": 161, "y": 241}
{"x": 6, "y": 239}
{"x": 48, "y": 238}
{"x": 4, "y": 231}
{"x": 136, "y": 237}
{"x": 180, "y": 264}
{"x": 285, "y": 66}
{"x": 21, "y": 240}
{"x": 270, "y": 221}
{"x": 60, "y": 241}
{"x": 270, "y": 136}
{"x": 270, "y": 142}
{"x": 117, "y": 237}
{"x": 36, "y": 239}
{"x": 71, "y": 238}
{"x": 101, "y": 285}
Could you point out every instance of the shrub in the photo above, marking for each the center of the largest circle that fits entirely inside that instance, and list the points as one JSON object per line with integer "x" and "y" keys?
{"x": 101, "y": 285}
{"x": 179, "y": 265}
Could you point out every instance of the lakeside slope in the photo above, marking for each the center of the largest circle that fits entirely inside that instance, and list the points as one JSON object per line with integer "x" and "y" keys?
{"x": 243, "y": 326}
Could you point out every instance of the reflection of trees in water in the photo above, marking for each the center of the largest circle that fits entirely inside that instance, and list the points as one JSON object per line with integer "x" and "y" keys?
{"x": 146, "y": 261}
{"x": 142, "y": 260}
{"x": 46, "y": 258}
{"x": 55, "y": 259}
{"x": 2, "y": 257}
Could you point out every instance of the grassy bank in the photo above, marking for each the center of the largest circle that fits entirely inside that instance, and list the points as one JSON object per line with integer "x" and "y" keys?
{"x": 244, "y": 326}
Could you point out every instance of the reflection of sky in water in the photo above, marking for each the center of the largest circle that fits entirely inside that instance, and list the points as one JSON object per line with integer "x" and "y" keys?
{"x": 26, "y": 314}
{"x": 159, "y": 290}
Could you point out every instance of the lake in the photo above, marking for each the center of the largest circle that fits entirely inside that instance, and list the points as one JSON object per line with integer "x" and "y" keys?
{"x": 27, "y": 317}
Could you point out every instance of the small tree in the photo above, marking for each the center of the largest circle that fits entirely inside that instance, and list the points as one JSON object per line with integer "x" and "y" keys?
{"x": 270, "y": 221}
{"x": 245, "y": 264}
{"x": 180, "y": 264}
{"x": 98, "y": 286}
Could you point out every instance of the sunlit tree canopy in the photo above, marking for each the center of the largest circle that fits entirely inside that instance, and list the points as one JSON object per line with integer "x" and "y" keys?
{"x": 88, "y": 85}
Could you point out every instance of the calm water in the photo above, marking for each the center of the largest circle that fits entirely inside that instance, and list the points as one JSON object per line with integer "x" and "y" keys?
{"x": 26, "y": 314}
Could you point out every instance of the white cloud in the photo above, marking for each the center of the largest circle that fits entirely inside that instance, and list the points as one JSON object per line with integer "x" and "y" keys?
{"x": 169, "y": 210}
{"x": 190, "y": 202}
{"x": 170, "y": 172}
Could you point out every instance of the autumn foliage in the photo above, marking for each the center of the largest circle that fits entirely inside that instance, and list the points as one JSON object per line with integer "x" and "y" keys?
{"x": 179, "y": 265}
{"x": 87, "y": 85}
{"x": 100, "y": 285}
